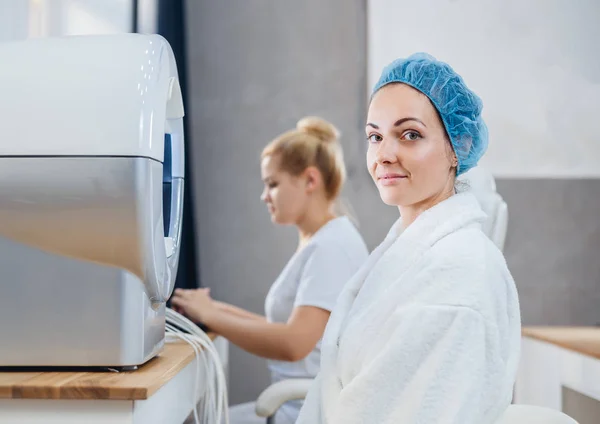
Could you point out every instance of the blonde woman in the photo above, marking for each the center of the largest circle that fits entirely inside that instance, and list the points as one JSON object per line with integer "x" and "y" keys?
{"x": 303, "y": 174}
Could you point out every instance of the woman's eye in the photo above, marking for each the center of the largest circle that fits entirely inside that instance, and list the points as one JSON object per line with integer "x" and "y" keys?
{"x": 374, "y": 138}
{"x": 411, "y": 135}
{"x": 272, "y": 185}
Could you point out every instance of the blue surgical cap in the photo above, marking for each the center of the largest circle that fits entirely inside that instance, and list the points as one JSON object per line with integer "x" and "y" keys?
{"x": 459, "y": 108}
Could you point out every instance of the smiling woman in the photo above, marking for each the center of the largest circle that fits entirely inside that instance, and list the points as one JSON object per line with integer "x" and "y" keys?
{"x": 435, "y": 300}
{"x": 424, "y": 129}
{"x": 409, "y": 157}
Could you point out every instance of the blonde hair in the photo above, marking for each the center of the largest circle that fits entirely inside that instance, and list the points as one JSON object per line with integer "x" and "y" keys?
{"x": 314, "y": 142}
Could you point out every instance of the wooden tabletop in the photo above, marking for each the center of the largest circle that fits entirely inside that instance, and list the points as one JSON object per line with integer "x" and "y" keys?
{"x": 128, "y": 385}
{"x": 585, "y": 340}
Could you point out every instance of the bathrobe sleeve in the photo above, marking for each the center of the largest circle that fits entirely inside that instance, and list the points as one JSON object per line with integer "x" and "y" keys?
{"x": 436, "y": 374}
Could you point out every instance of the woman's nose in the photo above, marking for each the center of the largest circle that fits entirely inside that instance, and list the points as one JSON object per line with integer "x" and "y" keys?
{"x": 385, "y": 153}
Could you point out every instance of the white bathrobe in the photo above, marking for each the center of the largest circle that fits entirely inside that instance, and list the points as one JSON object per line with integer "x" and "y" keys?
{"x": 427, "y": 332}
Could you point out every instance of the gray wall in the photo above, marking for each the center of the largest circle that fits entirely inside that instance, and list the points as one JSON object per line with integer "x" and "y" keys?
{"x": 255, "y": 68}
{"x": 552, "y": 248}
{"x": 582, "y": 408}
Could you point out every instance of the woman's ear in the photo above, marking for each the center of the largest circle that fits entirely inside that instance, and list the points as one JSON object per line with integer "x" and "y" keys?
{"x": 313, "y": 178}
{"x": 451, "y": 154}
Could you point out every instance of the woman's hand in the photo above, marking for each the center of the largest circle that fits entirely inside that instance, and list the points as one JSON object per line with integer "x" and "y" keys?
{"x": 196, "y": 304}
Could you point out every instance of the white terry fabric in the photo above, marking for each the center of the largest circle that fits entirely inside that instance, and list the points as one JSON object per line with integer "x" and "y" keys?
{"x": 314, "y": 276}
{"x": 428, "y": 331}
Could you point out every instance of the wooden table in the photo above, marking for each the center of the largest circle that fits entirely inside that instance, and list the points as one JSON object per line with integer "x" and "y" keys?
{"x": 161, "y": 391}
{"x": 553, "y": 358}
{"x": 584, "y": 340}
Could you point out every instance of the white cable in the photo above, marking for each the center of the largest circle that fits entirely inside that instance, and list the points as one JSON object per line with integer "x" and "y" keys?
{"x": 175, "y": 332}
{"x": 199, "y": 340}
{"x": 206, "y": 343}
{"x": 180, "y": 335}
{"x": 197, "y": 344}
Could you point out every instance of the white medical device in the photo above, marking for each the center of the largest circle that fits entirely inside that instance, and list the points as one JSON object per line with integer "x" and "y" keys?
{"x": 91, "y": 197}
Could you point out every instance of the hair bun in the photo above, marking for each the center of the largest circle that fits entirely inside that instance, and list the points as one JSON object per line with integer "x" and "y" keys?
{"x": 325, "y": 131}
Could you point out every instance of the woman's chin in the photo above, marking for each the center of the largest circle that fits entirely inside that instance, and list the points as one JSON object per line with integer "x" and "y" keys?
{"x": 278, "y": 219}
{"x": 390, "y": 197}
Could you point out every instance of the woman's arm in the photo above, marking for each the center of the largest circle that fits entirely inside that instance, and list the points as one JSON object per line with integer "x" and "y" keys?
{"x": 239, "y": 312}
{"x": 290, "y": 341}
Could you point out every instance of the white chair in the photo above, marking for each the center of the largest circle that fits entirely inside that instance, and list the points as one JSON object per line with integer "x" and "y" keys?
{"x": 515, "y": 414}
{"x": 529, "y": 414}
{"x": 271, "y": 399}
{"x": 483, "y": 186}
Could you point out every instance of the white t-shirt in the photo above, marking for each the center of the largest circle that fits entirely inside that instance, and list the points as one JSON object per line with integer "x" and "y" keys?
{"x": 314, "y": 276}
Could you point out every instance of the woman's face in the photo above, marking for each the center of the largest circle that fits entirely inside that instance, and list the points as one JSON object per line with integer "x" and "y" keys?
{"x": 284, "y": 194}
{"x": 409, "y": 156}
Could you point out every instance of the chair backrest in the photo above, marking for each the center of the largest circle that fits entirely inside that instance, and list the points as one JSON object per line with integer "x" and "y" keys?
{"x": 482, "y": 184}
{"x": 529, "y": 414}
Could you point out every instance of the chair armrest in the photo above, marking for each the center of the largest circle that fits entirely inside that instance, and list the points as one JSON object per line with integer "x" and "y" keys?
{"x": 530, "y": 414}
{"x": 271, "y": 399}
{"x": 500, "y": 225}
